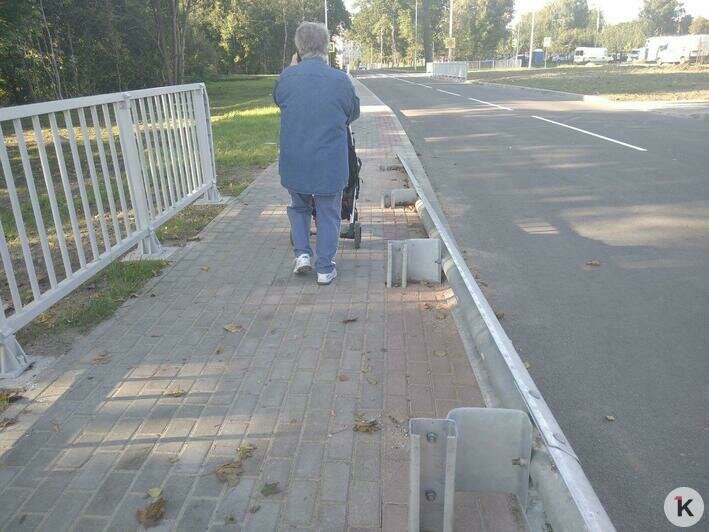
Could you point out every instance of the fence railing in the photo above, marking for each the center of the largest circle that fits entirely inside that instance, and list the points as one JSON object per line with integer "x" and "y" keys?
{"x": 494, "y": 64}
{"x": 457, "y": 70}
{"x": 85, "y": 180}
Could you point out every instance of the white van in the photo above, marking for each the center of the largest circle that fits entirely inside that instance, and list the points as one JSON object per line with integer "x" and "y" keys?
{"x": 589, "y": 54}
{"x": 676, "y": 48}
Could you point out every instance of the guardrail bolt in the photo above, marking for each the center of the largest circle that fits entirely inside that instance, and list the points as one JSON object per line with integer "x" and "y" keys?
{"x": 430, "y": 495}
{"x": 432, "y": 437}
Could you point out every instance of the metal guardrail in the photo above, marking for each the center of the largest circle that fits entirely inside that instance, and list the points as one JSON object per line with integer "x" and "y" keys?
{"x": 493, "y": 64}
{"x": 569, "y": 501}
{"x": 120, "y": 165}
{"x": 457, "y": 70}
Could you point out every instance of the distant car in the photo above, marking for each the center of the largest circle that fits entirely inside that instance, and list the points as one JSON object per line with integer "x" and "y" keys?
{"x": 362, "y": 68}
{"x": 634, "y": 55}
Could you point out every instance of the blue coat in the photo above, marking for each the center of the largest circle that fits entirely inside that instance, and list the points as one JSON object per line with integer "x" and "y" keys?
{"x": 317, "y": 104}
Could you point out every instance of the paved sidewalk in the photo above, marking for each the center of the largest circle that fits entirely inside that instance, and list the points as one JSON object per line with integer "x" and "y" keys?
{"x": 290, "y": 381}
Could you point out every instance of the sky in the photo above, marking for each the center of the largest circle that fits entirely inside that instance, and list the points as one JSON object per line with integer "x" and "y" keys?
{"x": 614, "y": 11}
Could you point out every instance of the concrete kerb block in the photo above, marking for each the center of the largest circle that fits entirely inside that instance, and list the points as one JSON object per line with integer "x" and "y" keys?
{"x": 399, "y": 197}
{"x": 415, "y": 259}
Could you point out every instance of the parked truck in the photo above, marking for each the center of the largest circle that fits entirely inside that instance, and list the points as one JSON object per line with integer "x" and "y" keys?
{"x": 676, "y": 49}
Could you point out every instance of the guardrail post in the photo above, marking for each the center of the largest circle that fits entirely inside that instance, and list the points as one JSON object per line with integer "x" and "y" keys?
{"x": 206, "y": 147}
{"x": 150, "y": 245}
{"x": 13, "y": 359}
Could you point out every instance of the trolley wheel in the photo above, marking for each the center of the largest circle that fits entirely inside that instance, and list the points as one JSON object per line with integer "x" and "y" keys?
{"x": 357, "y": 236}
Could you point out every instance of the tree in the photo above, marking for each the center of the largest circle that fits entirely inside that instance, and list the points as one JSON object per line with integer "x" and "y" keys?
{"x": 623, "y": 37}
{"x": 661, "y": 16}
{"x": 699, "y": 25}
{"x": 480, "y": 26}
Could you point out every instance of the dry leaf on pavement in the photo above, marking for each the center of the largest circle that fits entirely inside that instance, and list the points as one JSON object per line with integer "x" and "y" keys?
{"x": 527, "y": 365}
{"x": 7, "y": 421}
{"x": 101, "y": 359}
{"x": 177, "y": 392}
{"x": 270, "y": 488}
{"x": 342, "y": 377}
{"x": 205, "y": 268}
{"x": 255, "y": 508}
{"x": 499, "y": 315}
{"x": 593, "y": 263}
{"x": 372, "y": 381}
{"x": 155, "y": 492}
{"x": 229, "y": 472}
{"x": 365, "y": 425}
{"x": 350, "y": 320}
{"x": 440, "y": 354}
{"x": 151, "y": 515}
{"x": 366, "y": 369}
{"x": 610, "y": 418}
{"x": 233, "y": 327}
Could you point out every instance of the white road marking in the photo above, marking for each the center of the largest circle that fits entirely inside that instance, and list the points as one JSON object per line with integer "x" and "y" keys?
{"x": 422, "y": 85}
{"x": 590, "y": 133}
{"x": 446, "y": 92}
{"x": 491, "y": 104}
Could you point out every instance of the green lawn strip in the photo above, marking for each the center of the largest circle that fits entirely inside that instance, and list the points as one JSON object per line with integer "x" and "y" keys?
{"x": 613, "y": 82}
{"x": 94, "y": 301}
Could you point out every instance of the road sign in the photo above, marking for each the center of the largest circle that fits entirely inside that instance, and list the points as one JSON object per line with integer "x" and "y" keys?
{"x": 547, "y": 42}
{"x": 331, "y": 48}
{"x": 449, "y": 42}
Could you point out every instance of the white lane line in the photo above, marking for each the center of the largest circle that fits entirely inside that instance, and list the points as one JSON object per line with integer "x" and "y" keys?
{"x": 491, "y": 104}
{"x": 447, "y": 92}
{"x": 590, "y": 133}
{"x": 422, "y": 85}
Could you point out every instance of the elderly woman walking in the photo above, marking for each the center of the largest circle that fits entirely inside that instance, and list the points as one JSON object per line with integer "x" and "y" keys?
{"x": 317, "y": 104}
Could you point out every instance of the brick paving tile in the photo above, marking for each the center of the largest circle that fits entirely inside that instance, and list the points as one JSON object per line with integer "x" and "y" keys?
{"x": 290, "y": 383}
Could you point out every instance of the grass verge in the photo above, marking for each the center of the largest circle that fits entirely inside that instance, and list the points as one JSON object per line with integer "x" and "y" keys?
{"x": 93, "y": 302}
{"x": 614, "y": 82}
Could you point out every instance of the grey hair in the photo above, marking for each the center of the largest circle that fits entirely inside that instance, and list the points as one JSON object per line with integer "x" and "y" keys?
{"x": 312, "y": 39}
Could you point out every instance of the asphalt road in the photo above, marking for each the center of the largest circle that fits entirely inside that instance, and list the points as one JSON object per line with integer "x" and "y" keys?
{"x": 533, "y": 201}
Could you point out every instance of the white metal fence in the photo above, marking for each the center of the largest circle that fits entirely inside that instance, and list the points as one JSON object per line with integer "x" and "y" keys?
{"x": 493, "y": 64}
{"x": 84, "y": 181}
{"x": 457, "y": 70}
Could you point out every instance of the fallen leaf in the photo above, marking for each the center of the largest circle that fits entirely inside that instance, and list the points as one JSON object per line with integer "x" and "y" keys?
{"x": 440, "y": 316}
{"x": 482, "y": 283}
{"x": 55, "y": 427}
{"x": 177, "y": 392}
{"x": 194, "y": 239}
{"x": 229, "y": 519}
{"x": 593, "y": 263}
{"x": 372, "y": 381}
{"x": 173, "y": 459}
{"x": 427, "y": 306}
{"x": 151, "y": 515}
{"x": 366, "y": 369}
{"x": 527, "y": 365}
{"x": 350, "y": 320}
{"x": 270, "y": 488}
{"x": 101, "y": 359}
{"x": 229, "y": 472}
{"x": 499, "y": 315}
{"x": 365, "y": 425}
{"x": 155, "y": 492}
{"x": 205, "y": 268}
{"x": 246, "y": 450}
{"x": 440, "y": 354}
{"x": 610, "y": 418}
{"x": 255, "y": 508}
{"x": 233, "y": 327}
{"x": 342, "y": 377}
{"x": 7, "y": 421}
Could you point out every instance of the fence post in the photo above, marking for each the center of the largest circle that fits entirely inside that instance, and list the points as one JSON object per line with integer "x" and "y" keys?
{"x": 206, "y": 146}
{"x": 149, "y": 246}
{"x": 13, "y": 359}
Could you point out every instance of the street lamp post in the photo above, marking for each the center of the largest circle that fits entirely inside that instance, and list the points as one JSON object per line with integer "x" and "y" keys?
{"x": 531, "y": 42}
{"x": 416, "y": 32}
{"x": 328, "y": 31}
{"x": 450, "y": 29}
{"x": 381, "y": 47}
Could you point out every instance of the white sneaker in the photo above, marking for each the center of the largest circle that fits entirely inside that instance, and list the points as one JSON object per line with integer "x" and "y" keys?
{"x": 302, "y": 264}
{"x": 327, "y": 278}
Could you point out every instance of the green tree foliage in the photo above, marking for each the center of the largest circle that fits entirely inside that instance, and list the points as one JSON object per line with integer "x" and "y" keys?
{"x": 662, "y": 17}
{"x": 699, "y": 25}
{"x": 479, "y": 26}
{"x": 53, "y": 49}
{"x": 623, "y": 37}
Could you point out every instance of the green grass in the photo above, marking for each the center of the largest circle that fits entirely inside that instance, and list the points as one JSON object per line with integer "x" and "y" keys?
{"x": 185, "y": 225}
{"x": 613, "y": 81}
{"x": 94, "y": 301}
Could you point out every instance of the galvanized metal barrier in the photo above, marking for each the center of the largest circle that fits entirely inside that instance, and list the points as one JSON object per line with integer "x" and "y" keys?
{"x": 494, "y": 64}
{"x": 457, "y": 70}
{"x": 568, "y": 499}
{"x": 120, "y": 165}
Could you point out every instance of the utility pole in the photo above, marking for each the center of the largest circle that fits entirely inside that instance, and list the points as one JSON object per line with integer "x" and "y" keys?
{"x": 381, "y": 47}
{"x": 450, "y": 29}
{"x": 328, "y": 31}
{"x": 416, "y": 33}
{"x": 598, "y": 25}
{"x": 517, "y": 44}
{"x": 531, "y": 42}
